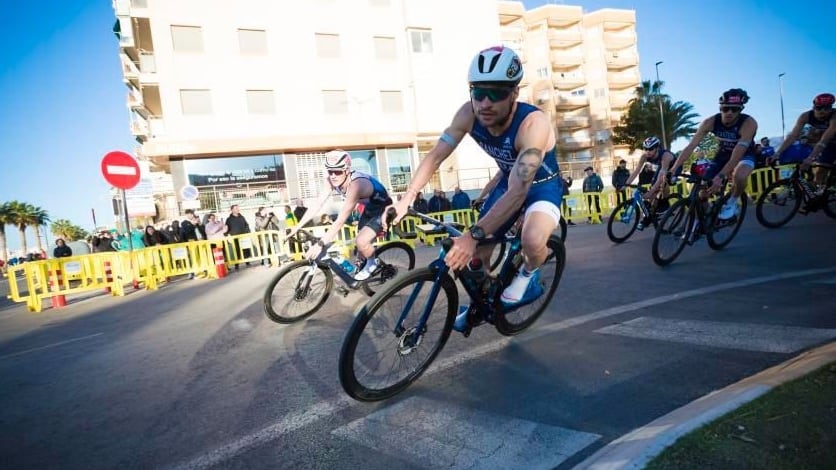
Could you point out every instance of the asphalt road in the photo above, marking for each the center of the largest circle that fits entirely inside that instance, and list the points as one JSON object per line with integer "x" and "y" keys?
{"x": 195, "y": 376}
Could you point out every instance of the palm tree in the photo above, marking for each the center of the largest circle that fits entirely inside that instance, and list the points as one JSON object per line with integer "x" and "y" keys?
{"x": 37, "y": 218}
{"x": 5, "y": 219}
{"x": 63, "y": 228}
{"x": 643, "y": 120}
{"x": 20, "y": 217}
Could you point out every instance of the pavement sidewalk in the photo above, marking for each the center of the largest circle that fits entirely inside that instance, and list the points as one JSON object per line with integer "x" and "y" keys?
{"x": 637, "y": 448}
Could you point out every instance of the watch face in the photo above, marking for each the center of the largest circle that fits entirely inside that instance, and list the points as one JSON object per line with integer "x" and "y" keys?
{"x": 477, "y": 232}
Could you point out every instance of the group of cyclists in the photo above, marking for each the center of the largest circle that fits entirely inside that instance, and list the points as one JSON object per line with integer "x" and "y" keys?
{"x": 522, "y": 141}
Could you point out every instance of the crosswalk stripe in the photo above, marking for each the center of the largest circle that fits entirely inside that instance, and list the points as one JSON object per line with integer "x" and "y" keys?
{"x": 745, "y": 336}
{"x": 441, "y": 435}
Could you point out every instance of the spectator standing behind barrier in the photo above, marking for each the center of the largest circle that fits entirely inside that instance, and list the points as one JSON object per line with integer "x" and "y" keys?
{"x": 153, "y": 237}
{"x": 420, "y": 204}
{"x": 299, "y": 211}
{"x": 191, "y": 229}
{"x": 619, "y": 179}
{"x": 260, "y": 226}
{"x": 766, "y": 149}
{"x": 215, "y": 229}
{"x": 592, "y": 184}
{"x": 61, "y": 249}
{"x": 434, "y": 204}
{"x": 567, "y": 186}
{"x": 460, "y": 199}
{"x": 445, "y": 203}
{"x": 325, "y": 219}
{"x": 237, "y": 225}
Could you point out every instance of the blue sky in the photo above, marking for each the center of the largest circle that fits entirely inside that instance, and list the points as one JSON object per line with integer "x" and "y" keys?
{"x": 64, "y": 101}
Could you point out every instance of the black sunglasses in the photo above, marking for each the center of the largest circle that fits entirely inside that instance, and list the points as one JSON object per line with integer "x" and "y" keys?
{"x": 822, "y": 108}
{"x": 730, "y": 109}
{"x": 495, "y": 95}
{"x": 336, "y": 172}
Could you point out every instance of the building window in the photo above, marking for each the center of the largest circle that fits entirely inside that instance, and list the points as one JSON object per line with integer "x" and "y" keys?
{"x": 422, "y": 41}
{"x": 391, "y": 101}
{"x": 365, "y": 161}
{"x": 328, "y": 46}
{"x": 196, "y": 101}
{"x": 600, "y": 93}
{"x": 384, "y": 48}
{"x": 579, "y": 92}
{"x": 543, "y": 72}
{"x": 187, "y": 38}
{"x": 335, "y": 101}
{"x": 400, "y": 172}
{"x": 252, "y": 41}
{"x": 261, "y": 102}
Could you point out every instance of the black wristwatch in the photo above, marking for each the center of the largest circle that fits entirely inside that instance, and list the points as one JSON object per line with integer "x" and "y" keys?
{"x": 477, "y": 232}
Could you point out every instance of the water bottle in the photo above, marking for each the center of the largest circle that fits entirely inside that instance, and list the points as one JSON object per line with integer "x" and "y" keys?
{"x": 347, "y": 265}
{"x": 476, "y": 273}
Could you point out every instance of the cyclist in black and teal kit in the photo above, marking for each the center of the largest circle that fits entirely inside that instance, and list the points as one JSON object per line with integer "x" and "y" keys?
{"x": 356, "y": 187}
{"x": 735, "y": 132}
{"x": 821, "y": 122}
{"x": 663, "y": 160}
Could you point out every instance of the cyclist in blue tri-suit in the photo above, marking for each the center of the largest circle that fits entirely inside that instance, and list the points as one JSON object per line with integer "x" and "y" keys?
{"x": 735, "y": 132}
{"x": 663, "y": 160}
{"x": 821, "y": 122}
{"x": 356, "y": 187}
{"x": 521, "y": 140}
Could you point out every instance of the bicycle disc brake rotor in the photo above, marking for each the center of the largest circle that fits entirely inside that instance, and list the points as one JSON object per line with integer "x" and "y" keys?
{"x": 408, "y": 343}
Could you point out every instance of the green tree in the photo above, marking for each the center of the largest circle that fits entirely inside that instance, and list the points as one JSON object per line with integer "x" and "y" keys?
{"x": 5, "y": 219}
{"x": 67, "y": 230}
{"x": 19, "y": 217}
{"x": 38, "y": 217}
{"x": 643, "y": 120}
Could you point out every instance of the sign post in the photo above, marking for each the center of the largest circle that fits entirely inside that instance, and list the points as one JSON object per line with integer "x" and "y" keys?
{"x": 121, "y": 170}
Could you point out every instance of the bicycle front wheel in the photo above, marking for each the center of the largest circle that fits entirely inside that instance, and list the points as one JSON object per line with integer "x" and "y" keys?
{"x": 672, "y": 233}
{"x": 563, "y": 228}
{"x": 515, "y": 321}
{"x": 778, "y": 204}
{"x": 721, "y": 232}
{"x": 394, "y": 257}
{"x": 829, "y": 204}
{"x": 623, "y": 221}
{"x": 297, "y": 291}
{"x": 389, "y": 345}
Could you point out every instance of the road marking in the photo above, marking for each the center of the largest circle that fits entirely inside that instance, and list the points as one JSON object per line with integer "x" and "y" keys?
{"x": 745, "y": 336}
{"x": 440, "y": 435}
{"x": 60, "y": 343}
{"x": 325, "y": 408}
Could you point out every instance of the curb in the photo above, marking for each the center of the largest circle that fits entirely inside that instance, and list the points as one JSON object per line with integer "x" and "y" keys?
{"x": 637, "y": 448}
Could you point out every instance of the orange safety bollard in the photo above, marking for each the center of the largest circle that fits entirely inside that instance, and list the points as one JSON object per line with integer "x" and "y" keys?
{"x": 220, "y": 265}
{"x": 108, "y": 275}
{"x": 58, "y": 301}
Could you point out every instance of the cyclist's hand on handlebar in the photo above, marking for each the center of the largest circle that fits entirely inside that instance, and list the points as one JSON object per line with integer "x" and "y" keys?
{"x": 464, "y": 248}
{"x": 401, "y": 207}
{"x": 314, "y": 251}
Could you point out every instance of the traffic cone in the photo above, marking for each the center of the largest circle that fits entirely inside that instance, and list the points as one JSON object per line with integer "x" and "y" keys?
{"x": 220, "y": 264}
{"x": 58, "y": 301}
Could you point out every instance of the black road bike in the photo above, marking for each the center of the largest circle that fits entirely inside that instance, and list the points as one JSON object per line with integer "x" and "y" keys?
{"x": 786, "y": 197}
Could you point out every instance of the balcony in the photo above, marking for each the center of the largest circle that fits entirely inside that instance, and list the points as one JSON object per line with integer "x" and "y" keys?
{"x": 568, "y": 81}
{"x": 570, "y": 143}
{"x": 620, "y": 81}
{"x": 565, "y": 61}
{"x": 147, "y": 68}
{"x": 622, "y": 61}
{"x": 620, "y": 100}
{"x": 129, "y": 69}
{"x": 510, "y": 12}
{"x": 568, "y": 103}
{"x": 620, "y": 39}
{"x": 561, "y": 39}
{"x": 139, "y": 129}
{"x": 578, "y": 122}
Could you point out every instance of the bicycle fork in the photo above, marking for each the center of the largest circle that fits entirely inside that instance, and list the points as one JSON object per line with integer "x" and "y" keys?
{"x": 411, "y": 338}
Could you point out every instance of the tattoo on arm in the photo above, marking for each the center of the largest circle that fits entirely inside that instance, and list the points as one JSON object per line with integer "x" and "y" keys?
{"x": 528, "y": 163}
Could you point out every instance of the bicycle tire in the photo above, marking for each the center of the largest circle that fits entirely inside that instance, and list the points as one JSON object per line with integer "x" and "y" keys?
{"x": 506, "y": 323}
{"x": 389, "y": 269}
{"x": 778, "y": 195}
{"x": 350, "y": 360}
{"x": 320, "y": 292}
{"x": 672, "y": 199}
{"x": 563, "y": 228}
{"x": 675, "y": 224}
{"x": 498, "y": 254}
{"x": 829, "y": 205}
{"x": 616, "y": 219}
{"x": 713, "y": 233}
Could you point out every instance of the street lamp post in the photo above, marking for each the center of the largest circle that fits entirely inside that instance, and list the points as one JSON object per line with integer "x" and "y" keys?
{"x": 659, "y": 100}
{"x": 781, "y": 92}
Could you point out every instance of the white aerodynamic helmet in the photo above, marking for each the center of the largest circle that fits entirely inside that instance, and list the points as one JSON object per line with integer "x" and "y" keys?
{"x": 500, "y": 65}
{"x": 337, "y": 160}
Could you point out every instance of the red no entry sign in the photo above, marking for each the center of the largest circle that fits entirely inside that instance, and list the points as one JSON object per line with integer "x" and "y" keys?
{"x": 120, "y": 169}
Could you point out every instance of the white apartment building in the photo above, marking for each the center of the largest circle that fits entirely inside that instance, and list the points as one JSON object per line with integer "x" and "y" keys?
{"x": 242, "y": 99}
{"x": 581, "y": 69}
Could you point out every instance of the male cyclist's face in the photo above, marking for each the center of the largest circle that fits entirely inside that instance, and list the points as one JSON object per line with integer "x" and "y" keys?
{"x": 822, "y": 112}
{"x": 492, "y": 104}
{"x": 729, "y": 114}
{"x": 336, "y": 177}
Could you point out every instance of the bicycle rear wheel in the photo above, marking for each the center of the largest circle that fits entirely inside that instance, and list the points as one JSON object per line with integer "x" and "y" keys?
{"x": 721, "y": 232}
{"x": 563, "y": 228}
{"x": 297, "y": 291}
{"x": 394, "y": 257}
{"x": 829, "y": 204}
{"x": 515, "y": 321}
{"x": 623, "y": 221}
{"x": 778, "y": 204}
{"x": 672, "y": 233}
{"x": 380, "y": 357}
